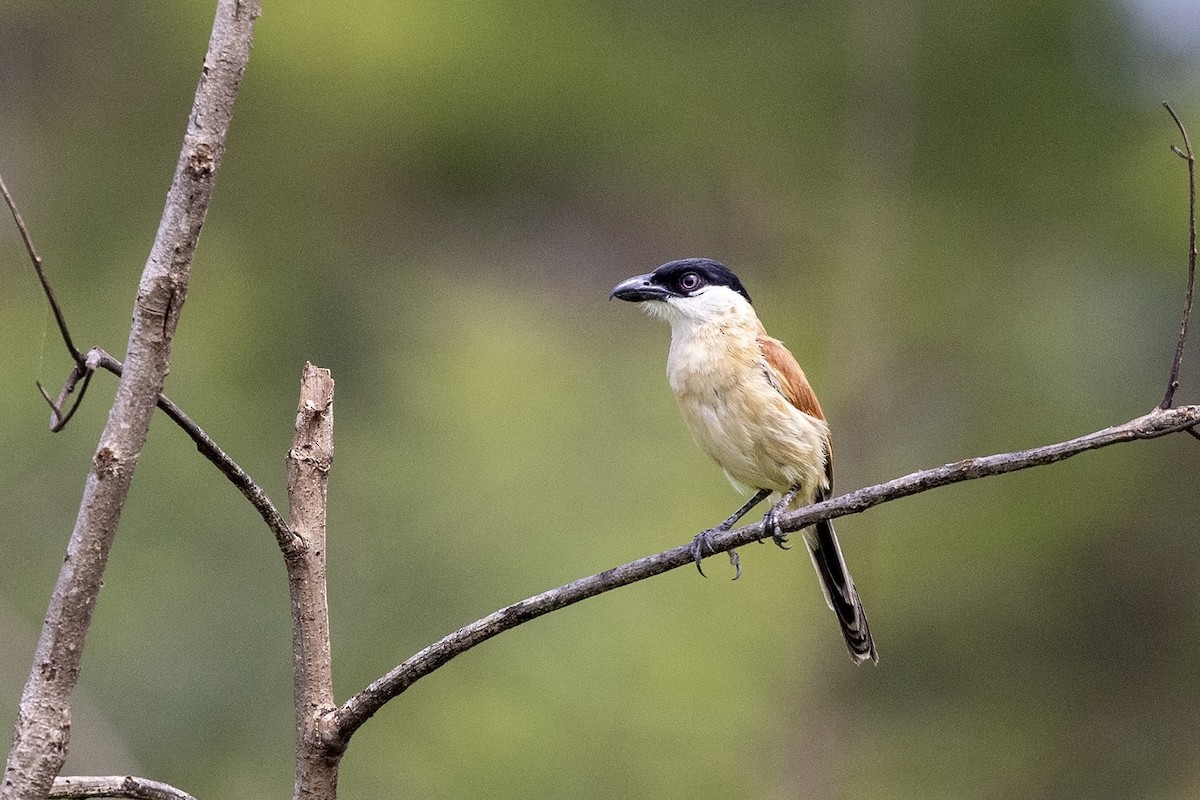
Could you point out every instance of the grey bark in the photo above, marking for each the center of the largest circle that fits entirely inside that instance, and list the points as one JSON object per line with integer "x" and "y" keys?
{"x": 42, "y": 731}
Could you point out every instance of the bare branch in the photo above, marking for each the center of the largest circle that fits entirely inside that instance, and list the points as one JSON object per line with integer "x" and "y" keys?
{"x": 42, "y": 731}
{"x": 1187, "y": 155}
{"x": 59, "y": 420}
{"x": 359, "y": 708}
{"x": 78, "y": 787}
{"x": 41, "y": 274}
{"x": 99, "y": 359}
{"x": 309, "y": 462}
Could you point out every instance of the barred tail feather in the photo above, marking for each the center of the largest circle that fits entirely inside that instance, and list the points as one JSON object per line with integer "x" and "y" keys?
{"x": 839, "y": 591}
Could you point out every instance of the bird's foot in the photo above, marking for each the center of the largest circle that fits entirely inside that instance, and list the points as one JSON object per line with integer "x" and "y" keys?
{"x": 771, "y": 518}
{"x": 701, "y": 544}
{"x": 771, "y": 525}
{"x": 698, "y": 546}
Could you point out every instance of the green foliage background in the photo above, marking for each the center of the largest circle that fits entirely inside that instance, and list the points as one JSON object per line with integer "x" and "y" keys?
{"x": 963, "y": 218}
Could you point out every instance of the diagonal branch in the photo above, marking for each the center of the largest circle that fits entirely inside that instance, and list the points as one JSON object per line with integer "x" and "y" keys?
{"x": 41, "y": 274}
{"x": 42, "y": 731}
{"x": 359, "y": 708}
{"x": 287, "y": 541}
{"x": 58, "y": 419}
{"x": 97, "y": 358}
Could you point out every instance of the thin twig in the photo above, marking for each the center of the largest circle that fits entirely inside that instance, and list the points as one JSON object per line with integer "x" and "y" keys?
{"x": 81, "y": 371}
{"x": 1187, "y": 155}
{"x": 37, "y": 267}
{"x": 99, "y": 359}
{"x": 59, "y": 420}
{"x": 85, "y": 786}
{"x": 359, "y": 708}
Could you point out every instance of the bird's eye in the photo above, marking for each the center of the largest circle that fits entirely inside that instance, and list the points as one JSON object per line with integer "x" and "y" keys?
{"x": 689, "y": 281}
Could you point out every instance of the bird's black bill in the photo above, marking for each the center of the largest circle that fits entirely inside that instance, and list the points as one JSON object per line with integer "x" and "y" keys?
{"x": 638, "y": 289}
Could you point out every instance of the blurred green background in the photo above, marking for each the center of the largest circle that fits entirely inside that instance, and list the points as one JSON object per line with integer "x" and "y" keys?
{"x": 963, "y": 218}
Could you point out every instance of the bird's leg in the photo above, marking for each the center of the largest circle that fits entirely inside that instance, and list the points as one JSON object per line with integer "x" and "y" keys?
{"x": 701, "y": 541}
{"x": 771, "y": 520}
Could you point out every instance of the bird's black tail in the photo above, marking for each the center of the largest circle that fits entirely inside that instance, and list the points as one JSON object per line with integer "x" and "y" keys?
{"x": 839, "y": 590}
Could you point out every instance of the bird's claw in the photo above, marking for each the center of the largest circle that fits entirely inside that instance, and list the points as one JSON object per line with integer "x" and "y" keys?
{"x": 701, "y": 543}
{"x": 778, "y": 534}
{"x": 698, "y": 545}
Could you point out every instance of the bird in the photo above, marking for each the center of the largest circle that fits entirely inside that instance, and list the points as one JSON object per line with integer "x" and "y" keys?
{"x": 750, "y": 407}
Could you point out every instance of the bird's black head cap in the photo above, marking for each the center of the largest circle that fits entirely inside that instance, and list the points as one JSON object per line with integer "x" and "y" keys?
{"x": 689, "y": 275}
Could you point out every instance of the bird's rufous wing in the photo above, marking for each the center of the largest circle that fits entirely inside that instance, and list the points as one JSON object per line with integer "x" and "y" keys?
{"x": 836, "y": 584}
{"x": 786, "y": 376}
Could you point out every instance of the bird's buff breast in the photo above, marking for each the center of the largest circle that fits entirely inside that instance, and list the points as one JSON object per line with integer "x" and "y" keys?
{"x": 743, "y": 423}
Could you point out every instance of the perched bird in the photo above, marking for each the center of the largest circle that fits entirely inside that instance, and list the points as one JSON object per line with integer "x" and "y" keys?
{"x": 750, "y": 407}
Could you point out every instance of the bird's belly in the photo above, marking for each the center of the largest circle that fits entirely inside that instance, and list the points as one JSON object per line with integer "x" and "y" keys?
{"x": 759, "y": 439}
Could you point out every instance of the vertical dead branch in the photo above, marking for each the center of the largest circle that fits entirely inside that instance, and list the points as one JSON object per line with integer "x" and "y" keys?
{"x": 1187, "y": 155}
{"x": 42, "y": 730}
{"x": 308, "y": 464}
